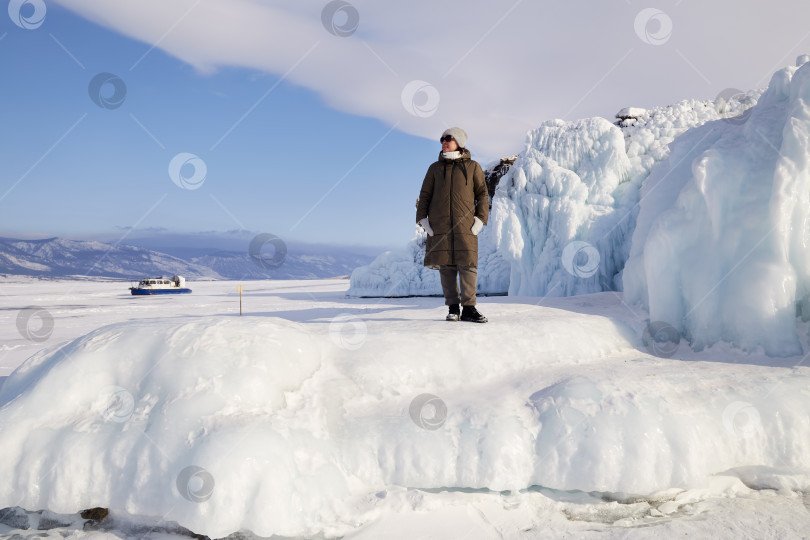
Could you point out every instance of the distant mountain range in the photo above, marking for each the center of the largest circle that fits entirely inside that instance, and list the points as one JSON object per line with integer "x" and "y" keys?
{"x": 58, "y": 257}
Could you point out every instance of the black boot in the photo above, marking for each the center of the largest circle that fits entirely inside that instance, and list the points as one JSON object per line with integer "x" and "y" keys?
{"x": 469, "y": 313}
{"x": 454, "y": 311}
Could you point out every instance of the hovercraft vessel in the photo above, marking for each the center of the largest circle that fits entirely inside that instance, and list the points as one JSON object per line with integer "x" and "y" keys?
{"x": 161, "y": 285}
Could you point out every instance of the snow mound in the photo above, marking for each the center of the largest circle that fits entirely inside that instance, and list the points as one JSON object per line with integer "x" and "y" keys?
{"x": 720, "y": 248}
{"x": 120, "y": 417}
{"x": 635, "y": 436}
{"x": 262, "y": 424}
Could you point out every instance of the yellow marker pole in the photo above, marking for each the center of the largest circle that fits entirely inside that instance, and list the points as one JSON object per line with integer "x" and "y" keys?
{"x": 240, "y": 300}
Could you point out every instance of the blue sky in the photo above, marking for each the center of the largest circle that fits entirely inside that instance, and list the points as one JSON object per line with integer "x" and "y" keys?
{"x": 291, "y": 167}
{"x": 308, "y": 135}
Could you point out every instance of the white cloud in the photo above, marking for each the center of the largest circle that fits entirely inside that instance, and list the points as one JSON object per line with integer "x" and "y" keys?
{"x": 499, "y": 69}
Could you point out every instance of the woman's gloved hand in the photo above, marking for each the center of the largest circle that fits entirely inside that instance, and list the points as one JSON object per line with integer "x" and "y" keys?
{"x": 477, "y": 226}
{"x": 426, "y": 225}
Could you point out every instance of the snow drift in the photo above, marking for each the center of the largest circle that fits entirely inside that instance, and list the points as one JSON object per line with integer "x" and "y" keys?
{"x": 224, "y": 424}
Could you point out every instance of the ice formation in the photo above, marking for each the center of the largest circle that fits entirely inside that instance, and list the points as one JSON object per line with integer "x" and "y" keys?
{"x": 720, "y": 250}
{"x": 563, "y": 215}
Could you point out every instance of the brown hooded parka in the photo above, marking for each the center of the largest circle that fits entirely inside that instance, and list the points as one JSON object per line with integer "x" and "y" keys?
{"x": 453, "y": 194}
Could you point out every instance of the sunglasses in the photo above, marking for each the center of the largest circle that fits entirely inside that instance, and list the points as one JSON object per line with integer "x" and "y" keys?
{"x": 446, "y": 138}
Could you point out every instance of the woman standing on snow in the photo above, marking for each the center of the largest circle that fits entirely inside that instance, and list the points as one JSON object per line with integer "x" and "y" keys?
{"x": 453, "y": 207}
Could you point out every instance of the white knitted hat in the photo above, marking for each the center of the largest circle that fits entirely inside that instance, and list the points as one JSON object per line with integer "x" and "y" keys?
{"x": 458, "y": 134}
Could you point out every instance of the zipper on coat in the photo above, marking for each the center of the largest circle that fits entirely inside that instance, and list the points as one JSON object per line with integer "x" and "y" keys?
{"x": 452, "y": 223}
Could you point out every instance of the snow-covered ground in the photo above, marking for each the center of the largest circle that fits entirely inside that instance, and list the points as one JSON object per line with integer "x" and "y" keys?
{"x": 317, "y": 415}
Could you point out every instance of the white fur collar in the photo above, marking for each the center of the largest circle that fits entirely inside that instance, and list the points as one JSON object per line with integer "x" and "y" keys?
{"x": 451, "y": 155}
